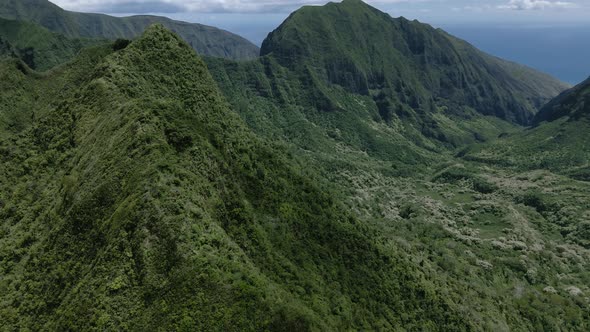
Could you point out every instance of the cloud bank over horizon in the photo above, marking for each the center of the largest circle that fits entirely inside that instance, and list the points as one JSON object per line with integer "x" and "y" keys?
{"x": 537, "y": 5}
{"x": 283, "y": 6}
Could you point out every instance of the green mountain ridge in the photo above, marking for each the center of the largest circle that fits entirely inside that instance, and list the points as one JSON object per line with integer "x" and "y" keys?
{"x": 39, "y": 48}
{"x": 204, "y": 39}
{"x": 367, "y": 52}
{"x": 348, "y": 74}
{"x": 574, "y": 103}
{"x": 180, "y": 218}
{"x": 558, "y": 141}
{"x": 142, "y": 188}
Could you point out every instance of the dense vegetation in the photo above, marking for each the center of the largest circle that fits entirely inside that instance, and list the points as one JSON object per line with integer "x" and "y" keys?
{"x": 404, "y": 63}
{"x": 204, "y": 39}
{"x": 379, "y": 84}
{"x": 573, "y": 103}
{"x": 180, "y": 217}
{"x": 509, "y": 240}
{"x": 558, "y": 141}
{"x": 322, "y": 196}
{"x": 39, "y": 48}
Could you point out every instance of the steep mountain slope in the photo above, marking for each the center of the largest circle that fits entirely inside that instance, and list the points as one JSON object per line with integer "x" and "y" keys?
{"x": 345, "y": 74}
{"x": 508, "y": 240}
{"x": 574, "y": 103}
{"x": 6, "y": 49}
{"x": 132, "y": 197}
{"x": 367, "y": 52}
{"x": 558, "y": 141}
{"x": 39, "y": 48}
{"x": 136, "y": 199}
{"x": 204, "y": 39}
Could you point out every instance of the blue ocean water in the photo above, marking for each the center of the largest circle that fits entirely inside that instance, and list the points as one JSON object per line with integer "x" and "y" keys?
{"x": 562, "y": 51}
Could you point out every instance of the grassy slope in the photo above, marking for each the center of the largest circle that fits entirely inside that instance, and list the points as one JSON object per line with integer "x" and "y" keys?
{"x": 204, "y": 39}
{"x": 39, "y": 48}
{"x": 137, "y": 199}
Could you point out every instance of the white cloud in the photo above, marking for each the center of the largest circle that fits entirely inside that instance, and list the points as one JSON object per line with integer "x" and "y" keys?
{"x": 201, "y": 6}
{"x": 537, "y": 5}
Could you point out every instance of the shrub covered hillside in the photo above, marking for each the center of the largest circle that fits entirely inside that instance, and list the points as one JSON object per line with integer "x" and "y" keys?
{"x": 558, "y": 141}
{"x": 348, "y": 74}
{"x": 386, "y": 110}
{"x": 39, "y": 48}
{"x": 204, "y": 39}
{"x": 397, "y": 61}
{"x": 137, "y": 200}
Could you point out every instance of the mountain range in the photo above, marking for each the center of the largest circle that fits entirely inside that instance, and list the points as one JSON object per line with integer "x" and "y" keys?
{"x": 38, "y": 47}
{"x": 204, "y": 39}
{"x": 363, "y": 173}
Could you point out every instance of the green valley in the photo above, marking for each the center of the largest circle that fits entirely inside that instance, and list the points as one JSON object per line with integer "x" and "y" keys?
{"x": 363, "y": 173}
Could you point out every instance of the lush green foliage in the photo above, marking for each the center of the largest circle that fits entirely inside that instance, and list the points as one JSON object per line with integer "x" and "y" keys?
{"x": 39, "y": 48}
{"x": 140, "y": 201}
{"x": 133, "y": 197}
{"x": 558, "y": 141}
{"x": 574, "y": 103}
{"x": 204, "y": 39}
{"x": 401, "y": 63}
{"x": 508, "y": 241}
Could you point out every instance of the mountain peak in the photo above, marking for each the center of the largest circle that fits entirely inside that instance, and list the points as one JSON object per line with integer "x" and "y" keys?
{"x": 159, "y": 50}
{"x": 366, "y": 51}
{"x": 352, "y": 2}
{"x": 158, "y": 33}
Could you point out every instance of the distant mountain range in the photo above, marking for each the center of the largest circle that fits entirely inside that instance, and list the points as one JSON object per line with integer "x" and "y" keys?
{"x": 204, "y": 39}
{"x": 38, "y": 47}
{"x": 373, "y": 53}
{"x": 420, "y": 84}
{"x": 364, "y": 173}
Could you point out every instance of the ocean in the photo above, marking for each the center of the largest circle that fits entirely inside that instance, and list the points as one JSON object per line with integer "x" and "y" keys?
{"x": 562, "y": 51}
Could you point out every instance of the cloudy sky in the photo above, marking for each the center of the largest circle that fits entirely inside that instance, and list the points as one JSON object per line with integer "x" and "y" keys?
{"x": 542, "y": 9}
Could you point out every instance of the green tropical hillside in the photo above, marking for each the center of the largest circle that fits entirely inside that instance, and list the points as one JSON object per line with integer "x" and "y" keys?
{"x": 365, "y": 173}
{"x": 39, "y": 48}
{"x": 573, "y": 103}
{"x": 394, "y": 89}
{"x": 558, "y": 141}
{"x": 180, "y": 209}
{"x": 405, "y": 62}
{"x": 204, "y": 39}
{"x": 509, "y": 240}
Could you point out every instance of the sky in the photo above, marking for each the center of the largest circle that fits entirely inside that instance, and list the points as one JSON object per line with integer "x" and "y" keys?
{"x": 549, "y": 35}
{"x": 470, "y": 10}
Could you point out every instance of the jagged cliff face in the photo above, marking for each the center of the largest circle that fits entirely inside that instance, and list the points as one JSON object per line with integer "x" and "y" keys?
{"x": 365, "y": 51}
{"x": 395, "y": 89}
